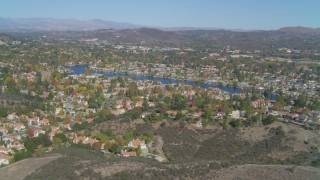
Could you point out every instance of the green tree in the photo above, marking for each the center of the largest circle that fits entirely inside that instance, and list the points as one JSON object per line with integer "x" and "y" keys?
{"x": 205, "y": 122}
{"x": 51, "y": 119}
{"x": 128, "y": 136}
{"x": 267, "y": 93}
{"x": 301, "y": 101}
{"x": 207, "y": 113}
{"x": 268, "y": 120}
{"x": 32, "y": 143}
{"x": 235, "y": 123}
{"x": 145, "y": 105}
{"x": 115, "y": 149}
{"x": 132, "y": 90}
{"x": 179, "y": 116}
{"x": 57, "y": 141}
{"x": 67, "y": 119}
{"x": 39, "y": 151}
{"x": 178, "y": 102}
{"x": 61, "y": 136}
{"x": 22, "y": 155}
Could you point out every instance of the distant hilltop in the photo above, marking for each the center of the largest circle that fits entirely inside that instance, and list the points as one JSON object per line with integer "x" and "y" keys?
{"x": 301, "y": 30}
{"x": 290, "y": 37}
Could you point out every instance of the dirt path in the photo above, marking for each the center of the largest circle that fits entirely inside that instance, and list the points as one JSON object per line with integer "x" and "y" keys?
{"x": 157, "y": 147}
{"x": 25, "y": 167}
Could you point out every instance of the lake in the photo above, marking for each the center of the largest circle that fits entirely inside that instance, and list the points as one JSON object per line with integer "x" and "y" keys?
{"x": 80, "y": 69}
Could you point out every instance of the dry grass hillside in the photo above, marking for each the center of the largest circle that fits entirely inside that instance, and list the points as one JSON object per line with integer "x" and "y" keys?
{"x": 277, "y": 151}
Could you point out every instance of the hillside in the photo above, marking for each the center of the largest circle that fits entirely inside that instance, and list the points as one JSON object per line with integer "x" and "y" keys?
{"x": 138, "y": 35}
{"x": 6, "y": 39}
{"x": 300, "y": 30}
{"x": 209, "y": 153}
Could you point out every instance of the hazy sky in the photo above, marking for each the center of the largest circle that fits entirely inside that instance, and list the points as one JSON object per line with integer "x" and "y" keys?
{"x": 232, "y": 14}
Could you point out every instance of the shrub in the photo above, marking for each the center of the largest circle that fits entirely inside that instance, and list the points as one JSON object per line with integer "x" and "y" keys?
{"x": 22, "y": 155}
{"x": 268, "y": 120}
{"x": 292, "y": 131}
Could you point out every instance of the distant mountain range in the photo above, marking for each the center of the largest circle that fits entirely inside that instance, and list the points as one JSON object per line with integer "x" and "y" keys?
{"x": 49, "y": 24}
{"x": 291, "y": 37}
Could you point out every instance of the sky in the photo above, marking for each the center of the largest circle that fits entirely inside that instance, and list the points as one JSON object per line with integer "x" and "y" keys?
{"x": 229, "y": 14}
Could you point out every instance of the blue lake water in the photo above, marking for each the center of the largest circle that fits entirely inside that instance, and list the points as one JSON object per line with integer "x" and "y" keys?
{"x": 80, "y": 69}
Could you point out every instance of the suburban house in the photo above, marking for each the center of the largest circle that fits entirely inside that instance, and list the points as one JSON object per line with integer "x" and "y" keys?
{"x": 65, "y": 126}
{"x": 136, "y": 143}
{"x": 5, "y": 150}
{"x": 3, "y": 130}
{"x": 85, "y": 140}
{"x": 128, "y": 154}
{"x": 35, "y": 132}
{"x": 259, "y": 103}
{"x": 11, "y": 138}
{"x": 5, "y": 159}
{"x": 33, "y": 121}
{"x": 236, "y": 114}
{"x": 45, "y": 122}
{"x": 18, "y": 127}
{"x": 118, "y": 111}
{"x": 90, "y": 120}
{"x": 12, "y": 116}
{"x": 172, "y": 114}
{"x": 78, "y": 139}
{"x": 220, "y": 115}
{"x": 90, "y": 141}
{"x": 16, "y": 145}
{"x": 52, "y": 134}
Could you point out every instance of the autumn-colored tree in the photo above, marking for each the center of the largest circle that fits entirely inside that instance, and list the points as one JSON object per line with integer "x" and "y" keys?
{"x": 121, "y": 142}
{"x": 107, "y": 144}
{"x": 67, "y": 119}
{"x": 139, "y": 152}
{"x": 51, "y": 119}
{"x": 39, "y": 151}
{"x": 57, "y": 141}
{"x": 96, "y": 146}
{"x": 78, "y": 119}
{"x": 30, "y": 132}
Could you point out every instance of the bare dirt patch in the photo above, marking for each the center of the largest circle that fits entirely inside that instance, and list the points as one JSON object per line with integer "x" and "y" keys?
{"x": 255, "y": 134}
{"x": 119, "y": 127}
{"x": 25, "y": 167}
